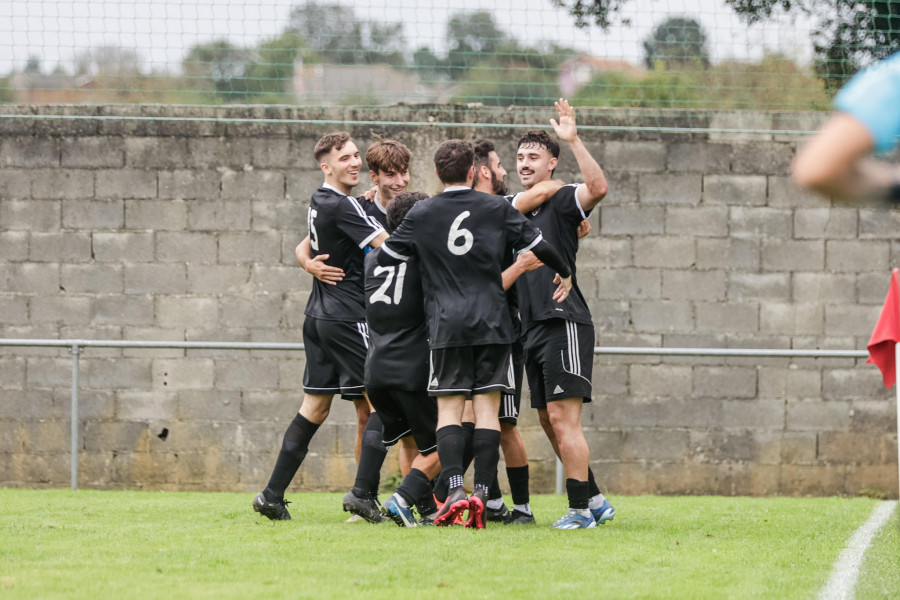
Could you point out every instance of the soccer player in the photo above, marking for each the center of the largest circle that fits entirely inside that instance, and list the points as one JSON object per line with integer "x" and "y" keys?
{"x": 334, "y": 332}
{"x": 461, "y": 238}
{"x": 837, "y": 161}
{"x": 559, "y": 337}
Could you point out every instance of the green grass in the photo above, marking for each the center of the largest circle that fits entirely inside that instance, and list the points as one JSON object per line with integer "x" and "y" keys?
{"x": 880, "y": 573}
{"x": 99, "y": 544}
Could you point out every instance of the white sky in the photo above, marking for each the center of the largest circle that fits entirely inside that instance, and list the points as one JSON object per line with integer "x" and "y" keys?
{"x": 163, "y": 30}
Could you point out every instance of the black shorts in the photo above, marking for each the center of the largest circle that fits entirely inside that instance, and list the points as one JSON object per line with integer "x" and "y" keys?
{"x": 470, "y": 370}
{"x": 559, "y": 358}
{"x": 510, "y": 403}
{"x": 407, "y": 413}
{"x": 335, "y": 357}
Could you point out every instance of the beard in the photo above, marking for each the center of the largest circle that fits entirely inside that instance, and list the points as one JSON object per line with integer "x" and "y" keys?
{"x": 497, "y": 185}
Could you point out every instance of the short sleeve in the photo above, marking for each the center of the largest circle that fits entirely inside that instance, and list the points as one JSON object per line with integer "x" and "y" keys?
{"x": 520, "y": 233}
{"x": 355, "y": 223}
{"x": 565, "y": 202}
{"x": 873, "y": 97}
{"x": 400, "y": 246}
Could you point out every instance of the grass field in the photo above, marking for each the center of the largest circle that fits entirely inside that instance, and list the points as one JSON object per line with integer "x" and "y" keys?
{"x": 100, "y": 544}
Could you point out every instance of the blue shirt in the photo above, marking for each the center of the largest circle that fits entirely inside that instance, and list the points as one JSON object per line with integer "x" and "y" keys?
{"x": 873, "y": 97}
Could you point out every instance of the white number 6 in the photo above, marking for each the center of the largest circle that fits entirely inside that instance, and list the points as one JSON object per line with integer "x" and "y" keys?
{"x": 456, "y": 232}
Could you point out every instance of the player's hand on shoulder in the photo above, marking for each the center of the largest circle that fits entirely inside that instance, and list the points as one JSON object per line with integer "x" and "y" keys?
{"x": 370, "y": 194}
{"x": 584, "y": 228}
{"x": 324, "y": 272}
{"x": 564, "y": 288}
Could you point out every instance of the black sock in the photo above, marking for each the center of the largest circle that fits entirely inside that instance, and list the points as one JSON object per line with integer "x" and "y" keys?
{"x": 518, "y": 484}
{"x": 578, "y": 494}
{"x": 371, "y": 458}
{"x": 414, "y": 486}
{"x": 469, "y": 437}
{"x": 487, "y": 453}
{"x": 426, "y": 504}
{"x": 294, "y": 446}
{"x": 494, "y": 492}
{"x": 593, "y": 490}
{"x": 441, "y": 488}
{"x": 450, "y": 447}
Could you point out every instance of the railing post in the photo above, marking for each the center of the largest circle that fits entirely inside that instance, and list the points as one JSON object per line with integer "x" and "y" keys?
{"x": 75, "y": 351}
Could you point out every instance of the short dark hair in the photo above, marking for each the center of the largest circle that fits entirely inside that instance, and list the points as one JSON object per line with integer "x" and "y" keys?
{"x": 387, "y": 155}
{"x": 327, "y": 142}
{"x": 399, "y": 206}
{"x": 453, "y": 159}
{"x": 540, "y": 138}
{"x": 483, "y": 149}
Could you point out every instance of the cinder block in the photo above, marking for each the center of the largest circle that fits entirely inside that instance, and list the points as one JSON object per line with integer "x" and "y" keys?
{"x": 664, "y": 252}
{"x": 284, "y": 215}
{"x": 760, "y": 222}
{"x": 280, "y": 279}
{"x": 850, "y": 256}
{"x": 693, "y": 285}
{"x": 91, "y": 279}
{"x": 126, "y": 183}
{"x": 716, "y": 317}
{"x": 155, "y": 278}
{"x": 145, "y": 406}
{"x": 628, "y": 283}
{"x": 668, "y": 189}
{"x": 300, "y": 185}
{"x": 871, "y": 288}
{"x": 698, "y": 221}
{"x": 59, "y": 247}
{"x": 793, "y": 255}
{"x": 798, "y": 448}
{"x": 609, "y": 316}
{"x": 273, "y": 153}
{"x": 218, "y": 152}
{"x": 120, "y": 373}
{"x": 62, "y": 183}
{"x": 188, "y": 373}
{"x": 784, "y": 193}
{"x": 92, "y": 152}
{"x": 157, "y": 334}
{"x": 172, "y": 246}
{"x": 655, "y": 444}
{"x": 792, "y": 318}
{"x": 596, "y": 251}
{"x": 841, "y": 447}
{"x": 818, "y": 415}
{"x": 29, "y": 152}
{"x": 762, "y": 158}
{"x": 825, "y": 223}
{"x": 759, "y": 286}
{"x": 12, "y": 372}
{"x": 186, "y": 184}
{"x": 873, "y": 416}
{"x": 14, "y": 183}
{"x": 850, "y": 320}
{"x": 722, "y": 446}
{"x": 268, "y": 406}
{"x": 23, "y": 405}
{"x": 257, "y": 374}
{"x": 662, "y": 316}
{"x": 156, "y": 152}
{"x": 252, "y": 185}
{"x": 828, "y": 288}
{"x": 93, "y": 214}
{"x": 249, "y": 247}
{"x": 170, "y": 215}
{"x": 876, "y": 223}
{"x": 256, "y": 311}
{"x": 217, "y": 215}
{"x": 868, "y": 477}
{"x": 728, "y": 253}
{"x": 13, "y": 310}
{"x": 660, "y": 380}
{"x": 636, "y": 156}
{"x": 633, "y": 220}
{"x": 114, "y": 246}
{"x": 209, "y": 405}
{"x": 122, "y": 310}
{"x": 66, "y": 309}
{"x": 218, "y": 279}
{"x": 730, "y": 382}
{"x": 699, "y": 157}
{"x": 608, "y": 380}
{"x": 844, "y": 384}
{"x": 182, "y": 311}
{"x": 623, "y": 186}
{"x": 743, "y": 190}
{"x": 755, "y": 414}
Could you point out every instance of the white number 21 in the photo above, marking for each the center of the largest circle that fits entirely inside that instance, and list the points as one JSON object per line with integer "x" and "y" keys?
{"x": 380, "y": 294}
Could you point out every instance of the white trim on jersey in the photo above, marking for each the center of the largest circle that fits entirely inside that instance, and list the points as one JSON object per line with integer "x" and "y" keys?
{"x": 536, "y": 241}
{"x": 368, "y": 219}
{"x": 579, "y": 186}
{"x": 393, "y": 253}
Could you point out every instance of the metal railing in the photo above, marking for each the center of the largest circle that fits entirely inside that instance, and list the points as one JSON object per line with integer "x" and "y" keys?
{"x": 75, "y": 347}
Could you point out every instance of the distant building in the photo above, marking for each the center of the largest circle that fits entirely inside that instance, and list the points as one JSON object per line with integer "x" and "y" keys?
{"x": 52, "y": 89}
{"x": 576, "y": 72}
{"x": 364, "y": 84}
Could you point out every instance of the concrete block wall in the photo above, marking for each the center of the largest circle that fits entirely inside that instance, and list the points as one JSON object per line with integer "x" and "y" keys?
{"x": 117, "y": 228}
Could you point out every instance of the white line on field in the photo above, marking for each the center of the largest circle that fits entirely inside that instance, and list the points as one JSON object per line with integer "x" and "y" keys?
{"x": 846, "y": 569}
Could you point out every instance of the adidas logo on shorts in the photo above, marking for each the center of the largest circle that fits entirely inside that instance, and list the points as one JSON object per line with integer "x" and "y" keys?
{"x": 558, "y": 390}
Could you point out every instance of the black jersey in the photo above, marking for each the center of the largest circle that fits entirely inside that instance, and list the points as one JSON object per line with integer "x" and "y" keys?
{"x": 397, "y": 358}
{"x": 512, "y": 296}
{"x": 462, "y": 237}
{"x": 339, "y": 226}
{"x": 376, "y": 211}
{"x": 558, "y": 219}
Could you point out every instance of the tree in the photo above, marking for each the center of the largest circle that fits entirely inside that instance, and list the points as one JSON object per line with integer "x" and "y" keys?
{"x": 220, "y": 63}
{"x": 676, "y": 43}
{"x": 849, "y": 34}
{"x": 470, "y": 36}
{"x": 110, "y": 61}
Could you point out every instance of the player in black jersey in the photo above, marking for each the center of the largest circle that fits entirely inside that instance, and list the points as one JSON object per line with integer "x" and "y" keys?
{"x": 559, "y": 337}
{"x": 334, "y": 332}
{"x": 461, "y": 238}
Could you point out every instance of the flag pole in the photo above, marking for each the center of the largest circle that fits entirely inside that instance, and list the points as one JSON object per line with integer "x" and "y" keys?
{"x": 897, "y": 391}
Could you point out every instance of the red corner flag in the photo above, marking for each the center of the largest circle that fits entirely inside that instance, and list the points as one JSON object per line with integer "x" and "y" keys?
{"x": 886, "y": 335}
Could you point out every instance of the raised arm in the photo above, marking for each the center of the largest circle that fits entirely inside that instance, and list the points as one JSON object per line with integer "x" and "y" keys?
{"x": 595, "y": 186}
{"x": 539, "y": 193}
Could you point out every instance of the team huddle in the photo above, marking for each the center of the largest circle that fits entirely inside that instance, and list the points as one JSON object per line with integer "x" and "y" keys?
{"x": 426, "y": 312}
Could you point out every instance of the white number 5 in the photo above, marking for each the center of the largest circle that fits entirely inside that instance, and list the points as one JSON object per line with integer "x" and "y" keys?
{"x": 456, "y": 233}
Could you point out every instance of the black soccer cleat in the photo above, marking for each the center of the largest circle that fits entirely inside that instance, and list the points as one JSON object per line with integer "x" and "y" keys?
{"x": 517, "y": 517}
{"x": 367, "y": 508}
{"x": 496, "y": 514}
{"x": 276, "y": 511}
{"x": 451, "y": 511}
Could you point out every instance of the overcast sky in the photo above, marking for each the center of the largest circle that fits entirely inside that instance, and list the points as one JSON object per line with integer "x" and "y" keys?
{"x": 163, "y": 30}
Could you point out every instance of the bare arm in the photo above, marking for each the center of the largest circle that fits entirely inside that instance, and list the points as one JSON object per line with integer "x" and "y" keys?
{"x": 378, "y": 240}
{"x": 836, "y": 162}
{"x": 526, "y": 261}
{"x": 316, "y": 266}
{"x": 595, "y": 181}
{"x": 539, "y": 193}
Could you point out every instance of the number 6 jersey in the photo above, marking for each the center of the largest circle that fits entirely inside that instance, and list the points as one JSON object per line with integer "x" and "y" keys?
{"x": 462, "y": 238}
